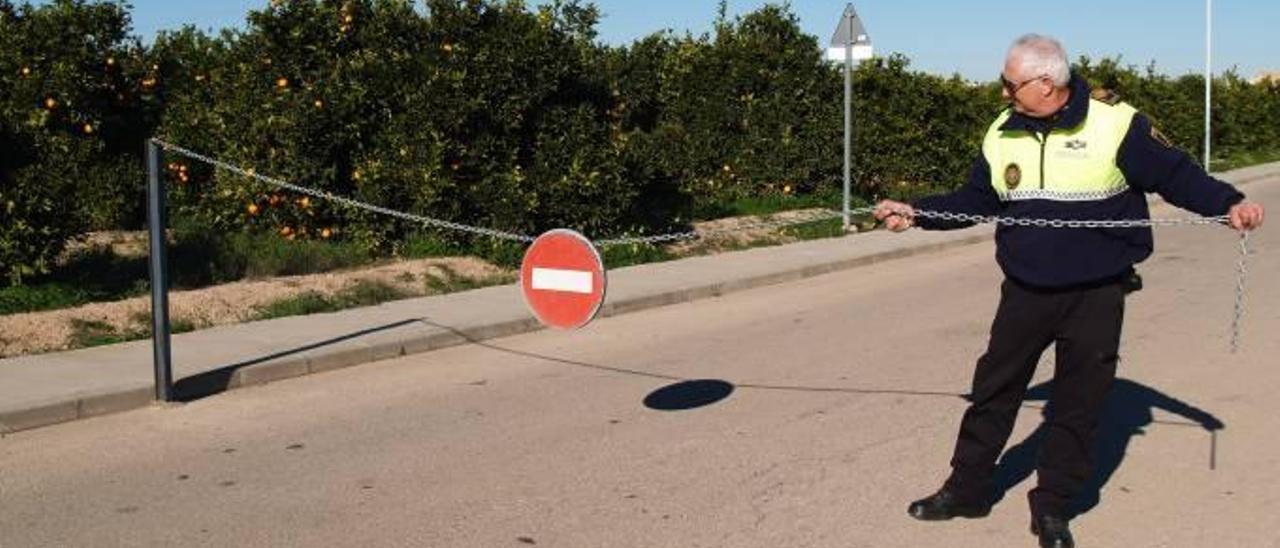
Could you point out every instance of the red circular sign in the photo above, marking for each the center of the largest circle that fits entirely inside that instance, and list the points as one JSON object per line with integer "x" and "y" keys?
{"x": 562, "y": 278}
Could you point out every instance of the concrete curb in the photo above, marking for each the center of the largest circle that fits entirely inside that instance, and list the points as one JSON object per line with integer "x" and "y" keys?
{"x": 140, "y": 396}
{"x": 299, "y": 363}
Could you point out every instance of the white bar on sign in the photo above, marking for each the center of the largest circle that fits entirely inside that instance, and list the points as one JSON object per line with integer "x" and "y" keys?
{"x": 573, "y": 281}
{"x": 860, "y": 52}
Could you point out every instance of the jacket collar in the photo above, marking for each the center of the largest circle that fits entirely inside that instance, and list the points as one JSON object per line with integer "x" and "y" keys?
{"x": 1070, "y": 116}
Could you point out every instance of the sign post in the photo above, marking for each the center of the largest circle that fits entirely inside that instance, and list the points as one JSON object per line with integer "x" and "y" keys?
{"x": 1208, "y": 81}
{"x": 850, "y": 42}
{"x": 157, "y": 219}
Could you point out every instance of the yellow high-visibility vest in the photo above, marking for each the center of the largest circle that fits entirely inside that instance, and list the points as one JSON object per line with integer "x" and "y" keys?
{"x": 1070, "y": 165}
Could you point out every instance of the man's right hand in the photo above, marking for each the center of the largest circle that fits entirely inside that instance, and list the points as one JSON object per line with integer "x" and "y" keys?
{"x": 896, "y": 216}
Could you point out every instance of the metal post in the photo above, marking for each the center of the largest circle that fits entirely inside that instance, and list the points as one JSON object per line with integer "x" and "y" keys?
{"x": 157, "y": 221}
{"x": 1208, "y": 79}
{"x": 848, "y": 120}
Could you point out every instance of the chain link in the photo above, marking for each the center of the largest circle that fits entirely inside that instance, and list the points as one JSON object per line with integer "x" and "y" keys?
{"x": 768, "y": 224}
{"x": 429, "y": 221}
{"x": 1066, "y": 223}
{"x": 815, "y": 216}
{"x": 820, "y": 215}
{"x": 1241, "y": 271}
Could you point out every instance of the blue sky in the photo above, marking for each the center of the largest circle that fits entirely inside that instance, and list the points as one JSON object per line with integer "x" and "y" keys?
{"x": 942, "y": 37}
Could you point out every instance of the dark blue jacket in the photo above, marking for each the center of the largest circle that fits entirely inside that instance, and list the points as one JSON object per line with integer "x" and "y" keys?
{"x": 1063, "y": 257}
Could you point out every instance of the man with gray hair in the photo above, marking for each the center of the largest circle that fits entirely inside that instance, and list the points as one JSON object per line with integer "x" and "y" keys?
{"x": 1060, "y": 152}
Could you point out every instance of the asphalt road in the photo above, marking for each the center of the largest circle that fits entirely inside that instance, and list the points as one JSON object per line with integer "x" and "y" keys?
{"x": 822, "y": 409}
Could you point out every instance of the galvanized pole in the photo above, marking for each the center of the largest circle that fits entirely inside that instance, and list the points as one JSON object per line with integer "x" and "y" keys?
{"x": 848, "y": 118}
{"x": 157, "y": 221}
{"x": 1208, "y": 79}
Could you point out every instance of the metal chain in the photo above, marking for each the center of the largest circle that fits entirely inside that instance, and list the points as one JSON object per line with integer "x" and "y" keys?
{"x": 1241, "y": 270}
{"x": 768, "y": 224}
{"x": 694, "y": 234}
{"x": 816, "y": 216}
{"x": 1066, "y": 223}
{"x": 1239, "y": 308}
{"x": 429, "y": 221}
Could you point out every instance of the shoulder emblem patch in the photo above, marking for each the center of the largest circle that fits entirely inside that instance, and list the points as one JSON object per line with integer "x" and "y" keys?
{"x": 1160, "y": 138}
{"x": 1105, "y": 95}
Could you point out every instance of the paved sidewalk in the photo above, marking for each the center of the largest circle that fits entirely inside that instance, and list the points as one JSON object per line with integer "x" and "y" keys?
{"x": 48, "y": 389}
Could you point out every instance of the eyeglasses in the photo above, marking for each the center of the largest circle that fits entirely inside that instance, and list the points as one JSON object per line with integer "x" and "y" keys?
{"x": 1012, "y": 88}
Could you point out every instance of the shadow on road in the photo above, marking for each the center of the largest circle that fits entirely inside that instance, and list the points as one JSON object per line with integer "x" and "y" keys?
{"x": 1128, "y": 413}
{"x": 688, "y": 393}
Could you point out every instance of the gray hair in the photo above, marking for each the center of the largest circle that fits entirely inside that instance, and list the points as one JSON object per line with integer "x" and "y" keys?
{"x": 1041, "y": 55}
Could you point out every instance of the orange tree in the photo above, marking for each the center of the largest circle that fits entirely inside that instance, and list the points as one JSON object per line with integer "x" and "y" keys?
{"x": 486, "y": 112}
{"x": 746, "y": 112}
{"x": 477, "y": 112}
{"x": 73, "y": 116}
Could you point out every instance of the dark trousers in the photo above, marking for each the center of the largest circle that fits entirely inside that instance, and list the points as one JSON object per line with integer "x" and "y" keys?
{"x": 1084, "y": 325}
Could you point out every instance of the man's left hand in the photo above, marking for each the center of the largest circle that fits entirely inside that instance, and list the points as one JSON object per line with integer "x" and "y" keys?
{"x": 1245, "y": 216}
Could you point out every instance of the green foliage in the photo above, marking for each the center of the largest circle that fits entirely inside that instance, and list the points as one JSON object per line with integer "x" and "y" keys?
{"x": 618, "y": 256}
{"x": 74, "y": 112}
{"x": 420, "y": 246}
{"x": 1247, "y": 158}
{"x": 829, "y": 228}
{"x": 768, "y": 204}
{"x": 199, "y": 259}
{"x": 21, "y": 298}
{"x": 94, "y": 274}
{"x": 484, "y": 112}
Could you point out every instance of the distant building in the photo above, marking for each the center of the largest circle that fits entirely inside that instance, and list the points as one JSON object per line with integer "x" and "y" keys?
{"x": 1272, "y": 75}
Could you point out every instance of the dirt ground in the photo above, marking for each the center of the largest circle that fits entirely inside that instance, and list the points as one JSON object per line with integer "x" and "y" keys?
{"x": 53, "y": 330}
{"x": 56, "y": 330}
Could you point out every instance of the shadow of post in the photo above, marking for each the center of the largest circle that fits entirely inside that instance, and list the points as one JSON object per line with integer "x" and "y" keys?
{"x": 203, "y": 385}
{"x": 1127, "y": 413}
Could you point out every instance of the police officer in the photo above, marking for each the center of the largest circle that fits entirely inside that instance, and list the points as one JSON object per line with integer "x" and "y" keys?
{"x": 1058, "y": 152}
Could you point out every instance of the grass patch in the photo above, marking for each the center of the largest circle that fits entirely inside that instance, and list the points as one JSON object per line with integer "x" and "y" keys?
{"x": 424, "y": 246}
{"x": 504, "y": 253}
{"x": 767, "y": 205}
{"x": 618, "y": 256}
{"x": 449, "y": 281}
{"x": 1245, "y": 159}
{"x": 816, "y": 230}
{"x": 93, "y": 274}
{"x": 48, "y": 296}
{"x": 199, "y": 260}
{"x": 91, "y": 333}
{"x": 361, "y": 293}
{"x": 98, "y": 274}
{"x": 310, "y": 302}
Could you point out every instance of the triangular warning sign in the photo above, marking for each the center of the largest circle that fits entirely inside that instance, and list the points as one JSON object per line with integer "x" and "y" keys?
{"x": 850, "y": 31}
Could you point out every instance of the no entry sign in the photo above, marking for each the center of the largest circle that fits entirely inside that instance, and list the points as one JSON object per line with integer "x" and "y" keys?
{"x": 562, "y": 278}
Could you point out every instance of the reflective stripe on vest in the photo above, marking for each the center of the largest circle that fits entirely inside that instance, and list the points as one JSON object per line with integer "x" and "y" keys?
{"x": 1079, "y": 164}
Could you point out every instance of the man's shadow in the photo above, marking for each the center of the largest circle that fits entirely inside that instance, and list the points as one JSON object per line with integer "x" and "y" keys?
{"x": 1127, "y": 413}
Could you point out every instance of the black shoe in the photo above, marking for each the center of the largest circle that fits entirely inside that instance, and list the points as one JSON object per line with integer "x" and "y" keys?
{"x": 944, "y": 505}
{"x": 1053, "y": 532}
